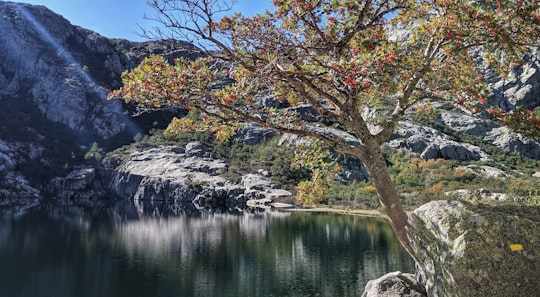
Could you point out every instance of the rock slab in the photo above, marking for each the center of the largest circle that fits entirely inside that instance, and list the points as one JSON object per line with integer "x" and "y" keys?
{"x": 467, "y": 250}
{"x": 174, "y": 175}
{"x": 394, "y": 284}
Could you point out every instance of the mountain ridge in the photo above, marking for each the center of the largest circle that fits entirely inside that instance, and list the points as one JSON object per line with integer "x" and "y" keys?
{"x": 64, "y": 72}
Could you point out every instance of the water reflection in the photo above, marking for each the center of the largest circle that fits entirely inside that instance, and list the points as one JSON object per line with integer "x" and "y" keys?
{"x": 107, "y": 252}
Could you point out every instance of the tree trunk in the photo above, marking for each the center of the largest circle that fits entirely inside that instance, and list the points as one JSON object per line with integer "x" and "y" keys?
{"x": 380, "y": 177}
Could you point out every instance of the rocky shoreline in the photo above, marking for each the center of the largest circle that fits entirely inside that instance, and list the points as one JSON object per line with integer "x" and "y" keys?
{"x": 184, "y": 174}
{"x": 463, "y": 246}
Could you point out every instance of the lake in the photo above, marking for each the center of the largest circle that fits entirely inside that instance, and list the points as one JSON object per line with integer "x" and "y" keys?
{"x": 117, "y": 251}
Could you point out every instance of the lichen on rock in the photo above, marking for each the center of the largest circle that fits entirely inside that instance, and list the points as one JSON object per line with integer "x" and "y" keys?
{"x": 469, "y": 250}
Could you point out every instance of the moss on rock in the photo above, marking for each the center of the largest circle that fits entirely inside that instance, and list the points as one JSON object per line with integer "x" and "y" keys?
{"x": 474, "y": 250}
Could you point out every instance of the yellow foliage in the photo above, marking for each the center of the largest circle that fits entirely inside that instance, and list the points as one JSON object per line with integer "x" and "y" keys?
{"x": 435, "y": 189}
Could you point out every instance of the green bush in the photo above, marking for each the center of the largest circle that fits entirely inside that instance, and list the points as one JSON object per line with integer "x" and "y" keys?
{"x": 360, "y": 195}
{"x": 95, "y": 153}
{"x": 418, "y": 181}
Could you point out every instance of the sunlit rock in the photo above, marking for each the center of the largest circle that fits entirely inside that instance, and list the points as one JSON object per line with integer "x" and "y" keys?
{"x": 394, "y": 284}
{"x": 79, "y": 184}
{"x": 507, "y": 140}
{"x": 483, "y": 170}
{"x": 467, "y": 123}
{"x": 430, "y": 143}
{"x": 521, "y": 87}
{"x": 467, "y": 250}
{"x": 190, "y": 174}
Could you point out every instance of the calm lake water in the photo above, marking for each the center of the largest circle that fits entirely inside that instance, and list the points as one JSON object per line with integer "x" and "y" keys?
{"x": 111, "y": 251}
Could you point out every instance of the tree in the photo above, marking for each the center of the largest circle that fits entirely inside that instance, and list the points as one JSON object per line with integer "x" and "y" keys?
{"x": 360, "y": 64}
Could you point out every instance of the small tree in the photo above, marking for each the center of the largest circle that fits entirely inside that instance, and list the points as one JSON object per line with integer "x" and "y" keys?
{"x": 360, "y": 64}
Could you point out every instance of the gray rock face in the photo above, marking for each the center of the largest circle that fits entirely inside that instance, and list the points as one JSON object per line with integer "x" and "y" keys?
{"x": 486, "y": 171}
{"x": 13, "y": 184}
{"x": 63, "y": 72}
{"x": 79, "y": 184}
{"x": 78, "y": 179}
{"x": 35, "y": 43}
{"x": 394, "y": 284}
{"x": 507, "y": 140}
{"x": 521, "y": 88}
{"x": 467, "y": 124}
{"x": 432, "y": 144}
{"x": 67, "y": 70}
{"x": 502, "y": 137}
{"x": 7, "y": 161}
{"x": 473, "y": 250}
{"x": 182, "y": 175}
{"x": 254, "y": 134}
{"x": 260, "y": 187}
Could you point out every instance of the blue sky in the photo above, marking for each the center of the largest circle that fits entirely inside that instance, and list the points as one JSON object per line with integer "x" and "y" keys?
{"x": 120, "y": 18}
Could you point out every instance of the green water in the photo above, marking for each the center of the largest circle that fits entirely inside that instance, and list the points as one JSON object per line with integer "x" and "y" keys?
{"x": 58, "y": 252}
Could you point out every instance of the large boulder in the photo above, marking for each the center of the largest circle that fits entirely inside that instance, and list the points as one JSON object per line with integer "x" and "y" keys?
{"x": 79, "y": 184}
{"x": 253, "y": 134}
{"x": 474, "y": 250}
{"x": 502, "y": 137}
{"x": 394, "y": 284}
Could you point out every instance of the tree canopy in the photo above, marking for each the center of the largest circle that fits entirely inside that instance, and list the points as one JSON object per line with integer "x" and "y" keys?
{"x": 359, "y": 64}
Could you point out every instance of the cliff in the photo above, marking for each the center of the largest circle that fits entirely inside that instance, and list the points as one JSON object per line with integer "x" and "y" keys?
{"x": 66, "y": 71}
{"x": 54, "y": 78}
{"x": 53, "y": 81}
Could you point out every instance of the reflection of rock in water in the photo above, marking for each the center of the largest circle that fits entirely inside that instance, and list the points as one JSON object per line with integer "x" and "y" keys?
{"x": 187, "y": 235}
{"x": 291, "y": 249}
{"x": 113, "y": 250}
{"x": 5, "y": 232}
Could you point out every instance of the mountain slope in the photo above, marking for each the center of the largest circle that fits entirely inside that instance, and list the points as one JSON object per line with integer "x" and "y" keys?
{"x": 54, "y": 78}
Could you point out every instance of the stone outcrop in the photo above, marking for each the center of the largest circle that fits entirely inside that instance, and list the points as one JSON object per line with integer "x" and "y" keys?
{"x": 490, "y": 132}
{"x": 474, "y": 250}
{"x": 514, "y": 142}
{"x": 35, "y": 46}
{"x": 79, "y": 184}
{"x": 467, "y": 124}
{"x": 253, "y": 134}
{"x": 394, "y": 284}
{"x": 482, "y": 193}
{"x": 13, "y": 184}
{"x": 429, "y": 143}
{"x": 521, "y": 87}
{"x": 179, "y": 175}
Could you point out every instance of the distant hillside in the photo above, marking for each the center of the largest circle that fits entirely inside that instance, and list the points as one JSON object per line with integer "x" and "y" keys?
{"x": 54, "y": 78}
